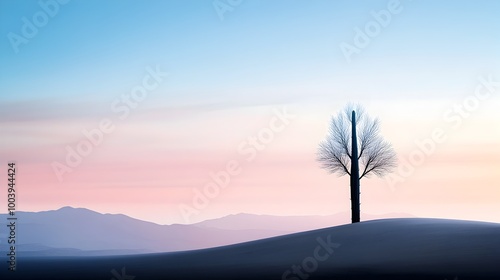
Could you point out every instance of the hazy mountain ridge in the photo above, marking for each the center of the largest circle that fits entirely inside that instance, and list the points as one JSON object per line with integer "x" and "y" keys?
{"x": 79, "y": 231}
{"x": 415, "y": 249}
{"x": 288, "y": 223}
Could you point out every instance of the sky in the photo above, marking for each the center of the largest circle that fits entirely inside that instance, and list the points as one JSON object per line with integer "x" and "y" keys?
{"x": 181, "y": 111}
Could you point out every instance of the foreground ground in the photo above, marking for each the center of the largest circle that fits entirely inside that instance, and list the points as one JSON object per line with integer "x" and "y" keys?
{"x": 384, "y": 249}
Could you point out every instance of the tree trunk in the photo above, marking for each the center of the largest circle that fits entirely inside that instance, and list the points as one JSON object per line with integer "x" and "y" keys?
{"x": 354, "y": 173}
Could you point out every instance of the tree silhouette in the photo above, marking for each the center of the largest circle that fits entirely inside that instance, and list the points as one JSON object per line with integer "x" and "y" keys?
{"x": 338, "y": 153}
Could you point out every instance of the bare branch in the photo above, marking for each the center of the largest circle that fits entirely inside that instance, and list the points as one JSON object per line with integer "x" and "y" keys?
{"x": 332, "y": 159}
{"x": 360, "y": 112}
{"x": 375, "y": 155}
{"x": 366, "y": 135}
{"x": 334, "y": 153}
{"x": 339, "y": 133}
{"x": 380, "y": 159}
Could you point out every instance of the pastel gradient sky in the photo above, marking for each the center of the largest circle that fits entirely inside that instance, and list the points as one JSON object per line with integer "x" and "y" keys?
{"x": 227, "y": 77}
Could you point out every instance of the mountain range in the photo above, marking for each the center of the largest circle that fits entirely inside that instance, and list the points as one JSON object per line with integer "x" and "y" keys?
{"x": 78, "y": 232}
{"x": 388, "y": 249}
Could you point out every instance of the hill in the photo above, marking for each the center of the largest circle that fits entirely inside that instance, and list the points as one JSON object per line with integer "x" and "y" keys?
{"x": 382, "y": 249}
{"x": 82, "y": 232}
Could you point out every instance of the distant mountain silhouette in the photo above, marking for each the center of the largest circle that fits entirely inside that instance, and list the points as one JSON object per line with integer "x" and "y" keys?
{"x": 78, "y": 231}
{"x": 288, "y": 223}
{"x": 414, "y": 249}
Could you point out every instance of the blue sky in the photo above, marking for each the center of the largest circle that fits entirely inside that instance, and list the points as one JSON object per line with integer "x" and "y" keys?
{"x": 95, "y": 49}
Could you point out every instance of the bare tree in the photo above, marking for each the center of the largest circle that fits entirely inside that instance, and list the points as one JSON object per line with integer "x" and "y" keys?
{"x": 338, "y": 153}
